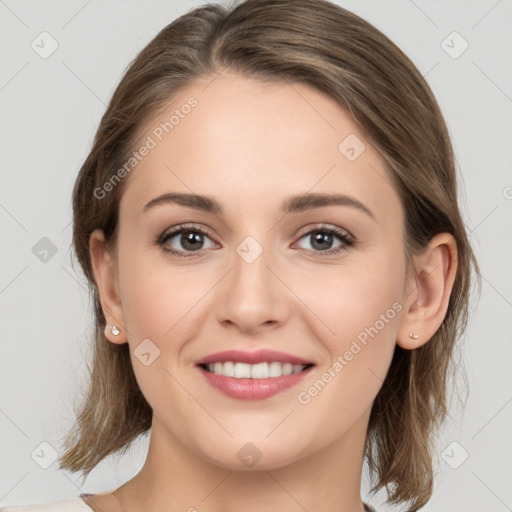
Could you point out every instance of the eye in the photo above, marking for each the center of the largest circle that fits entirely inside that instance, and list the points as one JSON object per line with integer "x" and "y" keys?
{"x": 184, "y": 239}
{"x": 321, "y": 240}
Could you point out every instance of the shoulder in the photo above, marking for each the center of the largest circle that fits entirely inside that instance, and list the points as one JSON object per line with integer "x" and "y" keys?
{"x": 67, "y": 505}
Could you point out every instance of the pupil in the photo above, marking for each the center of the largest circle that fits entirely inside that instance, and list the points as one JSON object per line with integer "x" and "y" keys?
{"x": 325, "y": 238}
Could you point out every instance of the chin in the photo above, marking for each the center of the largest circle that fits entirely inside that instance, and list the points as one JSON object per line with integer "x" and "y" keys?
{"x": 257, "y": 455}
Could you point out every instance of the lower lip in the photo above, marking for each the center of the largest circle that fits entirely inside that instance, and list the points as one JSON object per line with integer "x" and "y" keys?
{"x": 253, "y": 389}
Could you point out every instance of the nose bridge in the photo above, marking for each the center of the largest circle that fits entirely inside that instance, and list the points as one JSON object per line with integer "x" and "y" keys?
{"x": 251, "y": 277}
{"x": 251, "y": 263}
{"x": 251, "y": 295}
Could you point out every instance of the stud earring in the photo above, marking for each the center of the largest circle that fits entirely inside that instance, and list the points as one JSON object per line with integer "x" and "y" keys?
{"x": 114, "y": 330}
{"x": 413, "y": 336}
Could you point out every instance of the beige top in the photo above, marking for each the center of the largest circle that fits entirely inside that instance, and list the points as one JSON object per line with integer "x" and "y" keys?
{"x": 68, "y": 505}
{"x": 72, "y": 505}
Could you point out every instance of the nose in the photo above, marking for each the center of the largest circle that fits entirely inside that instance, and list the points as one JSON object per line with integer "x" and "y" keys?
{"x": 252, "y": 297}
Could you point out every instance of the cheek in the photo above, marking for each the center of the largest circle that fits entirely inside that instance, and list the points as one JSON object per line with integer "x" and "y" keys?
{"x": 155, "y": 300}
{"x": 155, "y": 308}
{"x": 361, "y": 305}
{"x": 349, "y": 299}
{"x": 359, "y": 308}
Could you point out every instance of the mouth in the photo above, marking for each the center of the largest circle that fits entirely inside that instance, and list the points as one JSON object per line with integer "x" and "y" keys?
{"x": 253, "y": 375}
{"x": 263, "y": 370}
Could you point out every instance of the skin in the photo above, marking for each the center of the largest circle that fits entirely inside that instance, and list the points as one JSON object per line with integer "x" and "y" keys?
{"x": 251, "y": 145}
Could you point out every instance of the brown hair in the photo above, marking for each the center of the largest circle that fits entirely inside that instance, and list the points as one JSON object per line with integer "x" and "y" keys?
{"x": 318, "y": 43}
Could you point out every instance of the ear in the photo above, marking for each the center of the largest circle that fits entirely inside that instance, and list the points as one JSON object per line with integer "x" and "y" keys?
{"x": 429, "y": 287}
{"x": 105, "y": 274}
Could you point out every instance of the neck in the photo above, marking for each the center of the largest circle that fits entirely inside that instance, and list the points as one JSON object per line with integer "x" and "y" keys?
{"x": 175, "y": 478}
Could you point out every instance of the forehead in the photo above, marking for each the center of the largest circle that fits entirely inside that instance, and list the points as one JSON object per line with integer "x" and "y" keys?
{"x": 252, "y": 143}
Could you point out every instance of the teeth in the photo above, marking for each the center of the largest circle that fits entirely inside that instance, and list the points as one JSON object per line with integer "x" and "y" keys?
{"x": 254, "y": 371}
{"x": 259, "y": 371}
{"x": 242, "y": 371}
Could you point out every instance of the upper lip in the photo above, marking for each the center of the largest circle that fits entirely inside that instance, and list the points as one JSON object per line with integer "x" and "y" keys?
{"x": 258, "y": 356}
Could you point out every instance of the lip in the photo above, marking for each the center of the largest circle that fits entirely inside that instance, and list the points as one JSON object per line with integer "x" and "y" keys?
{"x": 258, "y": 356}
{"x": 253, "y": 389}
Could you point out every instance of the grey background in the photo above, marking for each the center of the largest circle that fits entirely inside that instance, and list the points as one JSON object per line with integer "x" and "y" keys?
{"x": 50, "y": 109}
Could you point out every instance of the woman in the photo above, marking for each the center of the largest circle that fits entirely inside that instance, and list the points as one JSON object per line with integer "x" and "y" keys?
{"x": 268, "y": 220}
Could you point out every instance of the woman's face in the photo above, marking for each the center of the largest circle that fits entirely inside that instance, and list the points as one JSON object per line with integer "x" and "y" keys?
{"x": 321, "y": 282}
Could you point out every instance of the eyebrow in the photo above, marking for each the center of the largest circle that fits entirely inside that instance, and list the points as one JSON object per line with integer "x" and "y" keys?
{"x": 292, "y": 204}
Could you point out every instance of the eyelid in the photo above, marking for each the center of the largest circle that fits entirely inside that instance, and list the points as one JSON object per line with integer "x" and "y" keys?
{"x": 183, "y": 227}
{"x": 329, "y": 227}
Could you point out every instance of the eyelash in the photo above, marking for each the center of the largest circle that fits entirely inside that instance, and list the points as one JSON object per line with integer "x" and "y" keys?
{"x": 347, "y": 239}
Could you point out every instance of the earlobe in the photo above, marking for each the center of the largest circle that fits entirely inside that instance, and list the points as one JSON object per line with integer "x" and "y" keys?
{"x": 429, "y": 293}
{"x": 106, "y": 279}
